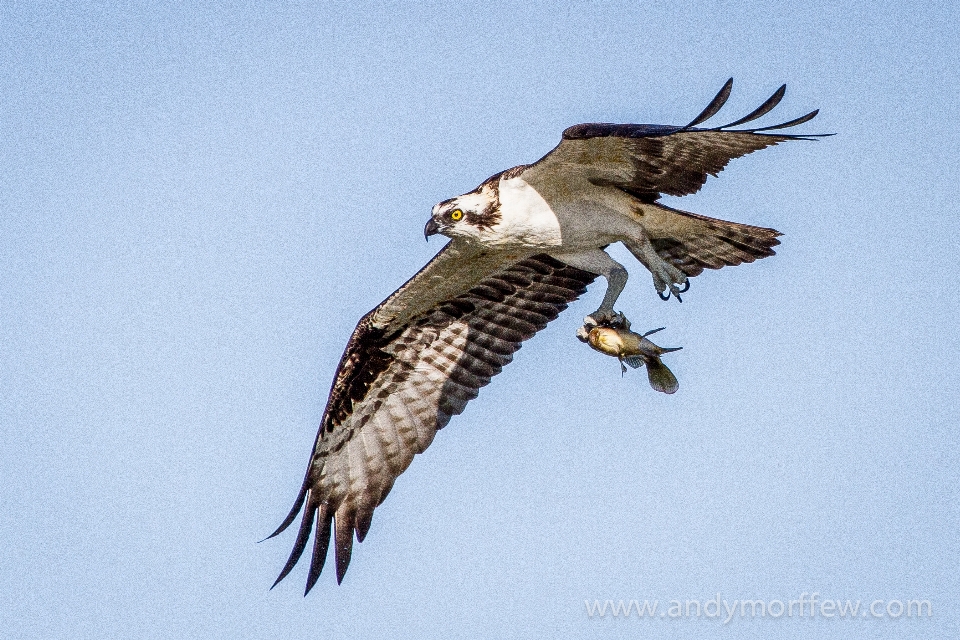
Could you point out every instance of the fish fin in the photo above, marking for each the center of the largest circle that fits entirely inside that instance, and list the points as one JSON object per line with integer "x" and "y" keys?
{"x": 634, "y": 361}
{"x": 660, "y": 377}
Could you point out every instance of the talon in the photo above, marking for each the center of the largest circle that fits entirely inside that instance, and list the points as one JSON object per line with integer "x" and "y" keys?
{"x": 686, "y": 286}
{"x": 664, "y": 297}
{"x": 606, "y": 319}
{"x": 619, "y": 320}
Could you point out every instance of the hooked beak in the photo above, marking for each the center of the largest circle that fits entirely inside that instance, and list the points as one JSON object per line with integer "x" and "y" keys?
{"x": 431, "y": 229}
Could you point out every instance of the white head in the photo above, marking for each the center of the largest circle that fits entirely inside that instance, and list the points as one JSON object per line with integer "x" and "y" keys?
{"x": 466, "y": 216}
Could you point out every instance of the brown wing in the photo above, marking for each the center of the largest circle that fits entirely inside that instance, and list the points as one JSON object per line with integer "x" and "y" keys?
{"x": 650, "y": 160}
{"x": 411, "y": 364}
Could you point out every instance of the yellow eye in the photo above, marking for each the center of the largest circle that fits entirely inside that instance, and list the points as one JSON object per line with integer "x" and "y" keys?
{"x": 456, "y": 214}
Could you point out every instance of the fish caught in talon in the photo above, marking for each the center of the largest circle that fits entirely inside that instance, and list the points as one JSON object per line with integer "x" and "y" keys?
{"x": 636, "y": 350}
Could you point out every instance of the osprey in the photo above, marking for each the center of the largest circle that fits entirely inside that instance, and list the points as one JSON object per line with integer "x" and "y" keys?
{"x": 524, "y": 244}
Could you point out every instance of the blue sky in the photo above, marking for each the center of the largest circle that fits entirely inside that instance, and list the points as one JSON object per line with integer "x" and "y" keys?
{"x": 198, "y": 202}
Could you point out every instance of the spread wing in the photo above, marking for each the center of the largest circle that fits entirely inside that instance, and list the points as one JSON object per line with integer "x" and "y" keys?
{"x": 411, "y": 364}
{"x": 650, "y": 160}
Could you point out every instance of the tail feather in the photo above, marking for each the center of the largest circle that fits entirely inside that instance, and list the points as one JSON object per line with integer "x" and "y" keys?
{"x": 692, "y": 242}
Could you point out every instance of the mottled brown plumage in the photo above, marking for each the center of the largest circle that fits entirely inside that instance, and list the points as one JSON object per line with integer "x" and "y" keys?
{"x": 396, "y": 387}
{"x": 526, "y": 242}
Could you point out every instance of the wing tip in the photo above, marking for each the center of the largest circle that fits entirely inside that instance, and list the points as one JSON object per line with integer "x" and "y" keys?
{"x": 715, "y": 105}
{"x": 321, "y": 544}
{"x": 303, "y": 536}
{"x": 791, "y": 123}
{"x": 295, "y": 510}
{"x": 768, "y": 105}
{"x": 343, "y": 542}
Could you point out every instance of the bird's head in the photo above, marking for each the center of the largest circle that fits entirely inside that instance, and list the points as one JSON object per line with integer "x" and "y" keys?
{"x": 467, "y": 216}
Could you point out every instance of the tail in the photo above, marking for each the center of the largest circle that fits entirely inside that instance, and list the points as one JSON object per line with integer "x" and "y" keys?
{"x": 692, "y": 242}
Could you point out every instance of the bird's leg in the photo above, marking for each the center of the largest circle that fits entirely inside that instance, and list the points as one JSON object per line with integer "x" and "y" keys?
{"x": 599, "y": 262}
{"x": 616, "y": 277}
{"x": 665, "y": 275}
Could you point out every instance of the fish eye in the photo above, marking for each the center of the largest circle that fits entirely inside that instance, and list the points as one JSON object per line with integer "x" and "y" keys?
{"x": 456, "y": 214}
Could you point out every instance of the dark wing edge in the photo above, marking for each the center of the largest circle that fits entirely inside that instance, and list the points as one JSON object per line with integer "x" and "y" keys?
{"x": 649, "y": 160}
{"x": 400, "y": 382}
{"x": 612, "y": 130}
{"x": 349, "y": 380}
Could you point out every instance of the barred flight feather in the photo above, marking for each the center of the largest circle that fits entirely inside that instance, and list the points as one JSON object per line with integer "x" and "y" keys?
{"x": 392, "y": 393}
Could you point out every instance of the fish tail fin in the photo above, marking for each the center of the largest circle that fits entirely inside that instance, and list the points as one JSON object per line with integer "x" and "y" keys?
{"x": 660, "y": 377}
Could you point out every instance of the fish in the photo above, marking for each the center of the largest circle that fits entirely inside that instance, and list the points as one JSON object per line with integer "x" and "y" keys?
{"x": 635, "y": 350}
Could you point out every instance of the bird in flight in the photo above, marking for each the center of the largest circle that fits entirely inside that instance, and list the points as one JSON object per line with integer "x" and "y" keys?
{"x": 523, "y": 245}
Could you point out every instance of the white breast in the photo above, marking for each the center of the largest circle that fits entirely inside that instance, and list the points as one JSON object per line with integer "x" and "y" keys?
{"x": 526, "y": 219}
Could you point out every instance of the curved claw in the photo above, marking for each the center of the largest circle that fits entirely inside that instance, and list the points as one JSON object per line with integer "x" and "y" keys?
{"x": 672, "y": 291}
{"x": 675, "y": 291}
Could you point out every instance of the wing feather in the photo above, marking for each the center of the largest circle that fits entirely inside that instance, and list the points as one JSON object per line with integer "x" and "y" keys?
{"x": 651, "y": 160}
{"x": 760, "y": 111}
{"x": 407, "y": 369}
{"x": 715, "y": 105}
{"x": 321, "y": 542}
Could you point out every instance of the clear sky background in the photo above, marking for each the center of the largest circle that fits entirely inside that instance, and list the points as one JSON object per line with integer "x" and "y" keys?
{"x": 197, "y": 203}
